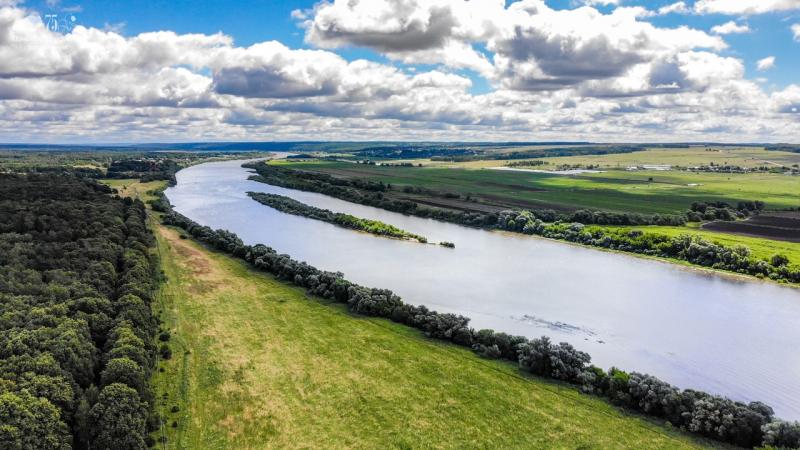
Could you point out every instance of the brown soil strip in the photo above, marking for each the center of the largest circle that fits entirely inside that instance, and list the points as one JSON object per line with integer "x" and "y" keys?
{"x": 753, "y": 230}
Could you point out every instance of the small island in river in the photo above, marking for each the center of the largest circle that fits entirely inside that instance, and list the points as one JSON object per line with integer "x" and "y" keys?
{"x": 376, "y": 227}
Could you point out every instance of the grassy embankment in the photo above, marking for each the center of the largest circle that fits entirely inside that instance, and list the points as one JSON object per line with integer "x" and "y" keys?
{"x": 759, "y": 247}
{"x": 257, "y": 363}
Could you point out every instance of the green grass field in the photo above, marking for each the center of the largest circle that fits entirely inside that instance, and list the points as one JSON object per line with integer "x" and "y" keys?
{"x": 135, "y": 188}
{"x": 258, "y": 364}
{"x": 617, "y": 190}
{"x": 760, "y": 247}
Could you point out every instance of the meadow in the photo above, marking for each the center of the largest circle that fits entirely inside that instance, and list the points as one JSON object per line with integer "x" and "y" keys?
{"x": 136, "y": 189}
{"x": 759, "y": 247}
{"x": 259, "y": 364}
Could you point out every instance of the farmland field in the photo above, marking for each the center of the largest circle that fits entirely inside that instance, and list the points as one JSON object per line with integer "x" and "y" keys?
{"x": 783, "y": 226}
{"x": 614, "y": 190}
{"x": 684, "y": 157}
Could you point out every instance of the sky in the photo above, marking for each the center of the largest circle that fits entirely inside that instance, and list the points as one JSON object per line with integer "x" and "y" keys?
{"x": 109, "y": 71}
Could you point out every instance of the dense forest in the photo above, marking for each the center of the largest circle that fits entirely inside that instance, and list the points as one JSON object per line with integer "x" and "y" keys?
{"x": 77, "y": 277}
{"x": 122, "y": 163}
{"x": 145, "y": 169}
{"x": 714, "y": 417}
{"x": 573, "y": 227}
{"x": 291, "y": 206}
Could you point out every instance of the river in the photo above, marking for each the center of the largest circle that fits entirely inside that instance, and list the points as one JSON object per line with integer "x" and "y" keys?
{"x": 694, "y": 329}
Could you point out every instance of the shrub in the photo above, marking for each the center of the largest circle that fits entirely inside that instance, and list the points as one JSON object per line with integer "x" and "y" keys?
{"x": 165, "y": 351}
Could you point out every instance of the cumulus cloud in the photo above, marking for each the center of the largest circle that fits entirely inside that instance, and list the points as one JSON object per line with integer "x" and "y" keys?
{"x": 730, "y": 28}
{"x": 787, "y": 101}
{"x": 766, "y": 63}
{"x": 271, "y": 70}
{"x": 533, "y": 45}
{"x": 744, "y": 7}
{"x": 674, "y": 8}
{"x": 601, "y": 2}
{"x": 28, "y": 49}
{"x": 549, "y": 48}
{"x": 387, "y": 25}
{"x": 796, "y": 31}
{"x": 414, "y": 31}
{"x": 557, "y": 74}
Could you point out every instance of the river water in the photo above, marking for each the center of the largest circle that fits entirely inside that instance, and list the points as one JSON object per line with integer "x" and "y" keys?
{"x": 694, "y": 329}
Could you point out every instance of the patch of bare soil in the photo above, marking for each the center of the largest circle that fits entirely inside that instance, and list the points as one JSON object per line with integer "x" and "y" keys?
{"x": 777, "y": 226}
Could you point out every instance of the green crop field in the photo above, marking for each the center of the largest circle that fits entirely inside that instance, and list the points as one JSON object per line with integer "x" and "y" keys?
{"x": 259, "y": 364}
{"x": 614, "y": 190}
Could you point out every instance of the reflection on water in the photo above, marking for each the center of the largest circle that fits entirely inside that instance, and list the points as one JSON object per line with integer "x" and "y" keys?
{"x": 691, "y": 328}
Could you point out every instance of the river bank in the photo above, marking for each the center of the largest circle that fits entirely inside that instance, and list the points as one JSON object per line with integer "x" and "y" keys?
{"x": 629, "y": 312}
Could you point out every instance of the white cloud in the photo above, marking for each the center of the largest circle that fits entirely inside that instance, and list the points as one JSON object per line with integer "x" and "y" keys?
{"x": 28, "y": 49}
{"x": 674, "y": 8}
{"x": 744, "y": 7}
{"x": 534, "y": 46}
{"x": 299, "y": 14}
{"x": 556, "y": 74}
{"x": 730, "y": 28}
{"x": 787, "y": 101}
{"x": 601, "y": 2}
{"x": 636, "y": 11}
{"x": 796, "y": 31}
{"x": 766, "y": 63}
{"x": 549, "y": 49}
{"x": 413, "y": 31}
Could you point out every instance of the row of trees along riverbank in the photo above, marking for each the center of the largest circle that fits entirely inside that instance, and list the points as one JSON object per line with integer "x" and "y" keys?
{"x": 747, "y": 425}
{"x": 77, "y": 277}
{"x": 292, "y": 206}
{"x": 573, "y": 228}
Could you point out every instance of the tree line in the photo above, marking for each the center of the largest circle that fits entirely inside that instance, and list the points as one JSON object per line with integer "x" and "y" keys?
{"x": 292, "y": 206}
{"x": 77, "y": 277}
{"x": 684, "y": 247}
{"x": 543, "y": 153}
{"x": 714, "y": 417}
{"x": 573, "y": 227}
